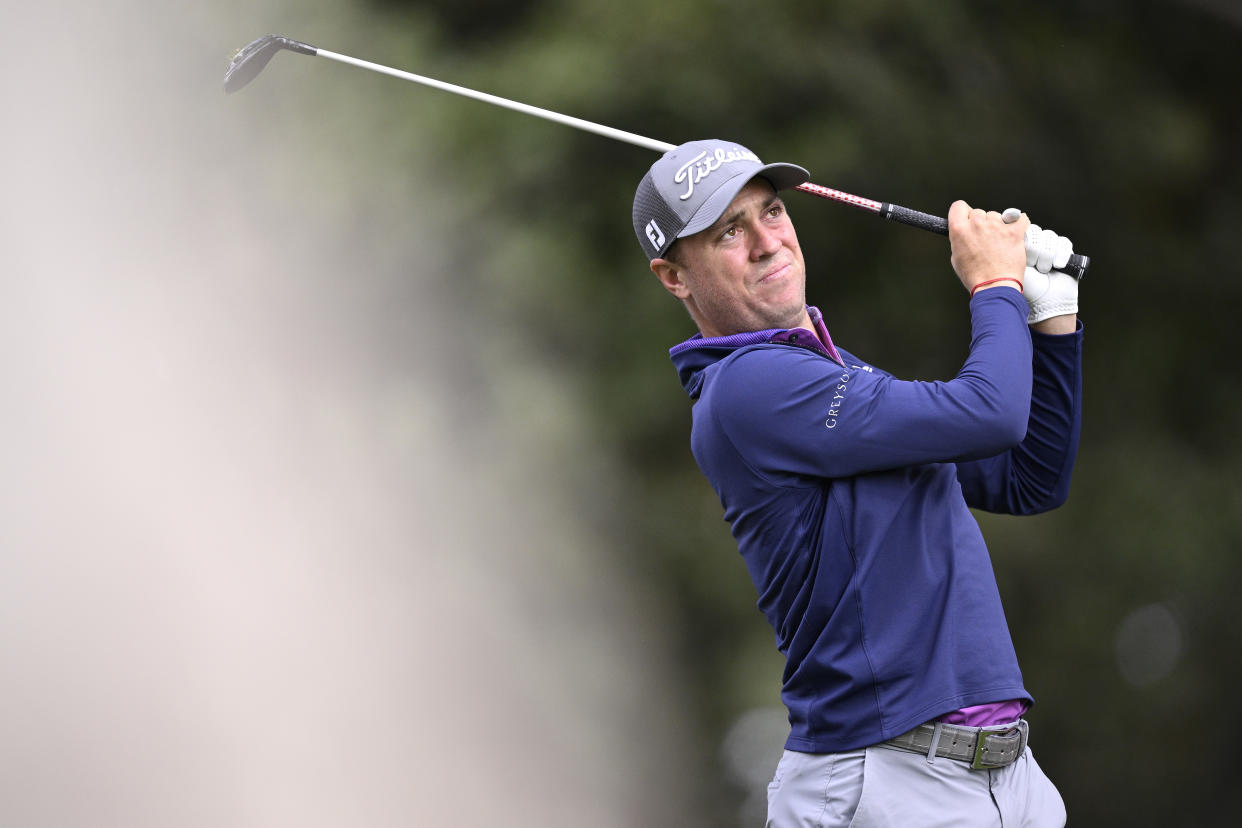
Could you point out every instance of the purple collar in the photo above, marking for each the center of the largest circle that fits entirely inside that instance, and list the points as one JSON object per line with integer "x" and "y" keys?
{"x": 821, "y": 342}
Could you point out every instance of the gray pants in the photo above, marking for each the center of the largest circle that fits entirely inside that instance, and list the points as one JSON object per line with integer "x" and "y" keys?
{"x": 879, "y": 786}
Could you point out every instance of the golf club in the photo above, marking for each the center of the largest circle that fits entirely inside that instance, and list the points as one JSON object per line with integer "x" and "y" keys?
{"x": 250, "y": 60}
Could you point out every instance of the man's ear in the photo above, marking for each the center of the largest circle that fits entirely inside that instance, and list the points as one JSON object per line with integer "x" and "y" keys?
{"x": 669, "y": 274}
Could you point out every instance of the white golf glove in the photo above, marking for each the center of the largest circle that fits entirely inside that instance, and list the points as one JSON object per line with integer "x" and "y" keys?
{"x": 1048, "y": 291}
{"x": 1045, "y": 250}
{"x": 1049, "y": 294}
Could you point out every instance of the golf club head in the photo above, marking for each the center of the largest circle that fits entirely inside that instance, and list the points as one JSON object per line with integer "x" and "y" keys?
{"x": 250, "y": 59}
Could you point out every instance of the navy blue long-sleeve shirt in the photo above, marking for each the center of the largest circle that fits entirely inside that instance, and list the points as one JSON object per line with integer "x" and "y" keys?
{"x": 849, "y": 493}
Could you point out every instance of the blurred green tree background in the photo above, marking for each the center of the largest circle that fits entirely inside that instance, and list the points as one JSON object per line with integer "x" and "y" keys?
{"x": 1115, "y": 123}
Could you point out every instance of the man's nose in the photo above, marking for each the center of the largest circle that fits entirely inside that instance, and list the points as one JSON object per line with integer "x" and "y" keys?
{"x": 766, "y": 242}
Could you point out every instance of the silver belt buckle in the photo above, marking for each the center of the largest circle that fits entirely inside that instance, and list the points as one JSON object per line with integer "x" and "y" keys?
{"x": 979, "y": 763}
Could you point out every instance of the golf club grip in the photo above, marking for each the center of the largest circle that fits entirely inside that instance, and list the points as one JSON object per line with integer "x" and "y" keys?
{"x": 914, "y": 218}
{"x": 1076, "y": 266}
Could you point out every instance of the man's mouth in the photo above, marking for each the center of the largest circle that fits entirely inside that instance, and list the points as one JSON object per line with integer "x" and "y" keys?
{"x": 776, "y": 273}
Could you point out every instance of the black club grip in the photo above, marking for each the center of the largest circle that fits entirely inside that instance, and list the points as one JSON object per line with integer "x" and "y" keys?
{"x": 923, "y": 221}
{"x": 1076, "y": 266}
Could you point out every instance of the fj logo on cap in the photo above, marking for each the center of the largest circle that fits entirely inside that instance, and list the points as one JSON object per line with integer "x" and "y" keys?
{"x": 655, "y": 234}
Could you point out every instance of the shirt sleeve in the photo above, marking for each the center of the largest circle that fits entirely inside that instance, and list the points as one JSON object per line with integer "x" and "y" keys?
{"x": 1034, "y": 476}
{"x": 791, "y": 411}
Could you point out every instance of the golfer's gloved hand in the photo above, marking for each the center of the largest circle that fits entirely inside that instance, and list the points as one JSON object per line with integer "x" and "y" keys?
{"x": 1049, "y": 294}
{"x": 1048, "y": 291}
{"x": 1045, "y": 250}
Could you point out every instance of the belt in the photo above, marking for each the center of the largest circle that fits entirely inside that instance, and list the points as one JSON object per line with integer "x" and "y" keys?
{"x": 984, "y": 748}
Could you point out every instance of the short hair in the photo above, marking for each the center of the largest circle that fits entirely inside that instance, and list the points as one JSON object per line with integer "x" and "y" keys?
{"x": 672, "y": 253}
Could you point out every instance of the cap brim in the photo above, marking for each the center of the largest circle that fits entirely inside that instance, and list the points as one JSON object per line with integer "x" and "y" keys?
{"x": 781, "y": 176}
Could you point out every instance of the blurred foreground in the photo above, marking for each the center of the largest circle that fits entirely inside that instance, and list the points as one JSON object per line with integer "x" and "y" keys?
{"x": 264, "y": 558}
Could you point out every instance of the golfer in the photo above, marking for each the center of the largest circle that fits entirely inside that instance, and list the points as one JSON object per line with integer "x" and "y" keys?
{"x": 849, "y": 494}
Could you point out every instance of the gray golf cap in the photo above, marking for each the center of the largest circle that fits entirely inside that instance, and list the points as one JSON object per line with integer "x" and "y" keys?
{"x": 692, "y": 185}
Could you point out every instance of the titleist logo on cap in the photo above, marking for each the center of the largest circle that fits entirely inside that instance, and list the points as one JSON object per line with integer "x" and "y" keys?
{"x": 707, "y": 162}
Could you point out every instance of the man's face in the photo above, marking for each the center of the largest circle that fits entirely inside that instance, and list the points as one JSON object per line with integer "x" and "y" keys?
{"x": 745, "y": 272}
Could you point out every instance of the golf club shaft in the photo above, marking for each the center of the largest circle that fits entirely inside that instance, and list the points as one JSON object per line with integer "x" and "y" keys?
{"x": 567, "y": 120}
{"x": 904, "y": 215}
{"x": 893, "y": 212}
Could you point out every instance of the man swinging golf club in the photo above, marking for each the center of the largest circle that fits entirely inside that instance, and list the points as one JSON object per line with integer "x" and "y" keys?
{"x": 848, "y": 490}
{"x": 849, "y": 493}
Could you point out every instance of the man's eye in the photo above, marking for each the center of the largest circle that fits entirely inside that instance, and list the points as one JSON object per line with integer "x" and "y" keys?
{"x": 776, "y": 210}
{"x": 730, "y": 233}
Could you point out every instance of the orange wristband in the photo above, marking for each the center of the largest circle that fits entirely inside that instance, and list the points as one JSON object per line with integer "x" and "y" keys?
{"x": 1017, "y": 282}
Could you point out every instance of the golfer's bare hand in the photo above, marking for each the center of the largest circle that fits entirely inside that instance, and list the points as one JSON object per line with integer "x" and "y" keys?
{"x": 985, "y": 248}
